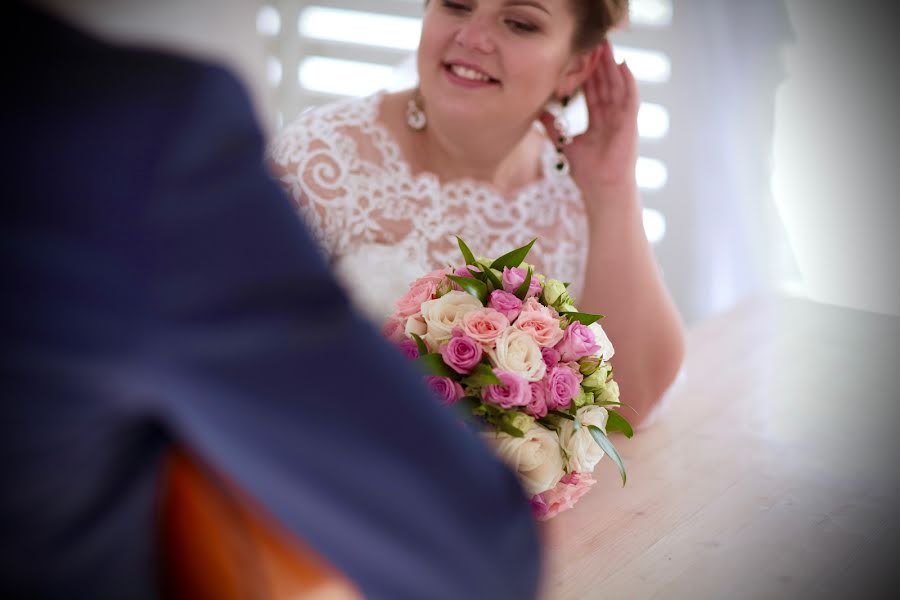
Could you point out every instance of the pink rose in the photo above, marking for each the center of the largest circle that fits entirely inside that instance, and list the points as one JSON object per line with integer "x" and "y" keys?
{"x": 394, "y": 329}
{"x": 437, "y": 277}
{"x": 543, "y": 328}
{"x": 461, "y": 353}
{"x": 515, "y": 277}
{"x": 578, "y": 341}
{"x": 562, "y": 496}
{"x": 562, "y": 387}
{"x": 447, "y": 390}
{"x": 420, "y": 291}
{"x": 539, "y": 506}
{"x": 466, "y": 272}
{"x": 533, "y": 304}
{"x": 513, "y": 390}
{"x": 505, "y": 303}
{"x": 537, "y": 407}
{"x": 409, "y": 348}
{"x": 550, "y": 356}
{"x": 485, "y": 325}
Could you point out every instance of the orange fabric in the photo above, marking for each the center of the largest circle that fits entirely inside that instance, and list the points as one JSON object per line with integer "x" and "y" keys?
{"x": 217, "y": 545}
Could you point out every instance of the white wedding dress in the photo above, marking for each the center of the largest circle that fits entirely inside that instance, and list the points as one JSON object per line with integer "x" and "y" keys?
{"x": 382, "y": 226}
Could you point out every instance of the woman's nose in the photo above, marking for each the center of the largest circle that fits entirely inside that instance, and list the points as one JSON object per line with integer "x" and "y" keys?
{"x": 476, "y": 35}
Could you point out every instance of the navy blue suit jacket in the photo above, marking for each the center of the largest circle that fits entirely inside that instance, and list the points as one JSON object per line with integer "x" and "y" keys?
{"x": 158, "y": 289}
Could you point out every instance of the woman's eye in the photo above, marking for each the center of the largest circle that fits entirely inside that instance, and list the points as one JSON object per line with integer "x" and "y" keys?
{"x": 454, "y": 6}
{"x": 521, "y": 26}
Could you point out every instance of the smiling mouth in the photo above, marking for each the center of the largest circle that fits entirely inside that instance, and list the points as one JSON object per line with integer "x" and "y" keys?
{"x": 468, "y": 73}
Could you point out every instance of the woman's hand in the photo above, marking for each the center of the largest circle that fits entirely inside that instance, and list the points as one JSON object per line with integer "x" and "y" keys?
{"x": 604, "y": 156}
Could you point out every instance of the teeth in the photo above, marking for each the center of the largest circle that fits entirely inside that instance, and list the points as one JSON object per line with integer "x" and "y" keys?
{"x": 468, "y": 73}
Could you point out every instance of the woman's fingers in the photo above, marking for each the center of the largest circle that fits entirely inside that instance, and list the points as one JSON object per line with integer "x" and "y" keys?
{"x": 613, "y": 76}
{"x": 631, "y": 98}
{"x": 600, "y": 75}
{"x": 592, "y": 100}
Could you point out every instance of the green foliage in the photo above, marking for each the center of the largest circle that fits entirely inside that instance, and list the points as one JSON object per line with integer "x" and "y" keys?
{"x": 467, "y": 254}
{"x": 513, "y": 259}
{"x": 559, "y": 413}
{"x": 433, "y": 364}
{"x": 481, "y": 376}
{"x": 502, "y": 420}
{"x": 476, "y": 288}
{"x": 583, "y": 318}
{"x": 491, "y": 276}
{"x": 607, "y": 447}
{"x": 420, "y": 344}
{"x": 522, "y": 291}
{"x": 617, "y": 422}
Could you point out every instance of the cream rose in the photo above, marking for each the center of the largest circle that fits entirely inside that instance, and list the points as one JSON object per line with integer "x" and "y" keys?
{"x": 606, "y": 350}
{"x": 517, "y": 352}
{"x": 536, "y": 458}
{"x": 415, "y": 324}
{"x": 443, "y": 314}
{"x": 582, "y": 451}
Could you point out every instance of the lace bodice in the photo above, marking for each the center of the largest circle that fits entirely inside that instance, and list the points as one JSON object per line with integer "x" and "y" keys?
{"x": 377, "y": 221}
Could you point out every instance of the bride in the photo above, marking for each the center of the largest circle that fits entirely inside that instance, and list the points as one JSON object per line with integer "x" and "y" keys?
{"x": 386, "y": 182}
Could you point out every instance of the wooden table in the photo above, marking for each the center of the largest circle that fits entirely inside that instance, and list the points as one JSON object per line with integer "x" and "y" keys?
{"x": 772, "y": 474}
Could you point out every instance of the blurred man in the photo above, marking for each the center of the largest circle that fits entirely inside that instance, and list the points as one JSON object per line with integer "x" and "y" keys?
{"x": 160, "y": 293}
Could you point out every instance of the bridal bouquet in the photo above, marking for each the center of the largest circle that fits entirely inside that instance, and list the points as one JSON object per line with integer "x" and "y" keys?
{"x": 508, "y": 345}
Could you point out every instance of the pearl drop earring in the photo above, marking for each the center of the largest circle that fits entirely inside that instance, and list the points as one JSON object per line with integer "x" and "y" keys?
{"x": 415, "y": 116}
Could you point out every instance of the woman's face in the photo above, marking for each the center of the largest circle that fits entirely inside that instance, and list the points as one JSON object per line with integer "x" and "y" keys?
{"x": 484, "y": 60}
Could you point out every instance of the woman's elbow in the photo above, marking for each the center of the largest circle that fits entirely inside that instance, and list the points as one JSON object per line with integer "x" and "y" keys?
{"x": 662, "y": 371}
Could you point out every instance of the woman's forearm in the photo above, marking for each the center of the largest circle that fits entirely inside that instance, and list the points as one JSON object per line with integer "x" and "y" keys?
{"x": 624, "y": 283}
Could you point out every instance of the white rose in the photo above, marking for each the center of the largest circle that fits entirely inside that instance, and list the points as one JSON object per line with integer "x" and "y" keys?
{"x": 518, "y": 353}
{"x": 606, "y": 348}
{"x": 583, "y": 452}
{"x": 536, "y": 458}
{"x": 445, "y": 313}
{"x": 415, "y": 324}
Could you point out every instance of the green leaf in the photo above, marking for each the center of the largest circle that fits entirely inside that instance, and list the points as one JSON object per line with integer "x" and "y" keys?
{"x": 469, "y": 402}
{"x": 492, "y": 277}
{"x": 617, "y": 422}
{"x": 476, "y": 273}
{"x": 472, "y": 286}
{"x": 607, "y": 447}
{"x": 577, "y": 424}
{"x": 434, "y": 364}
{"x": 481, "y": 376}
{"x": 559, "y": 413}
{"x": 505, "y": 427}
{"x": 548, "y": 423}
{"x": 583, "y": 318}
{"x": 605, "y": 403}
{"x": 514, "y": 258}
{"x": 420, "y": 344}
{"x": 523, "y": 289}
{"x": 467, "y": 254}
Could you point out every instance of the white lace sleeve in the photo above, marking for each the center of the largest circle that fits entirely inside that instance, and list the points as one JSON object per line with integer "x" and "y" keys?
{"x": 312, "y": 168}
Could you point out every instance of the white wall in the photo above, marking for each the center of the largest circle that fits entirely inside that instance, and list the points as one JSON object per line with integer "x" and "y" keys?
{"x": 837, "y": 155}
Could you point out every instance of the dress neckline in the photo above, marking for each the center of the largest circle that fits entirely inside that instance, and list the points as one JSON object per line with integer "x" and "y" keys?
{"x": 548, "y": 160}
